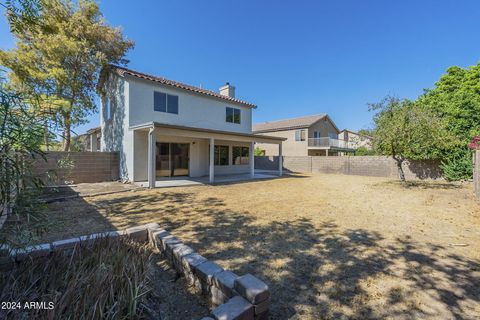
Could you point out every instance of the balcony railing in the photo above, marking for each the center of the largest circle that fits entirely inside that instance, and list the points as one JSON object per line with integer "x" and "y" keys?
{"x": 330, "y": 142}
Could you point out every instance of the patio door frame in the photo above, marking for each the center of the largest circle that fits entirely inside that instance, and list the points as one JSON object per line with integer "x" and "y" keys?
{"x": 172, "y": 146}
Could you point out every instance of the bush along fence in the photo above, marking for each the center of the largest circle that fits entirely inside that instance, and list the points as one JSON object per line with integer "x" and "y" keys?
{"x": 234, "y": 297}
{"x": 476, "y": 173}
{"x": 376, "y": 166}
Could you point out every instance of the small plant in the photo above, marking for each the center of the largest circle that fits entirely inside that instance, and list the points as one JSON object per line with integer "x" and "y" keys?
{"x": 106, "y": 280}
{"x": 475, "y": 143}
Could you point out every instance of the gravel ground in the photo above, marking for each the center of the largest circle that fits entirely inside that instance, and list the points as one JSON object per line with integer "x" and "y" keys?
{"x": 329, "y": 246}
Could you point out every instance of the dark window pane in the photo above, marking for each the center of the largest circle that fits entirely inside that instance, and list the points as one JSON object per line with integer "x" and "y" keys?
{"x": 236, "y": 115}
{"x": 240, "y": 155}
{"x": 172, "y": 104}
{"x": 245, "y": 155}
{"x": 229, "y": 115}
{"x": 237, "y": 155}
{"x": 159, "y": 101}
{"x": 221, "y": 156}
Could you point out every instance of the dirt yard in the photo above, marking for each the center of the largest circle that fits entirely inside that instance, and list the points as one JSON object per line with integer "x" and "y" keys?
{"x": 329, "y": 246}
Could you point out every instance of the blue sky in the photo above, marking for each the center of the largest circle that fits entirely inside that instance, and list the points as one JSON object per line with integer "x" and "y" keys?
{"x": 295, "y": 58}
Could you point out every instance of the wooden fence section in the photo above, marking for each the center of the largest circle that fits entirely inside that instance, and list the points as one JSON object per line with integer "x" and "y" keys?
{"x": 377, "y": 166}
{"x": 78, "y": 167}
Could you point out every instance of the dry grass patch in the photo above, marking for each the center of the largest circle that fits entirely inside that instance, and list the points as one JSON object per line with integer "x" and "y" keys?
{"x": 329, "y": 246}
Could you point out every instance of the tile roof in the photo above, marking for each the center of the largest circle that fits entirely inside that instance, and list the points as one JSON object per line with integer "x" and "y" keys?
{"x": 287, "y": 124}
{"x": 122, "y": 71}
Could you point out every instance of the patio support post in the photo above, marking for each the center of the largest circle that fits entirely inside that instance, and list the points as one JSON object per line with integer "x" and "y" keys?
{"x": 211, "y": 176}
{"x": 151, "y": 157}
{"x": 91, "y": 143}
{"x": 280, "y": 160}
{"x": 326, "y": 152}
{"x": 251, "y": 156}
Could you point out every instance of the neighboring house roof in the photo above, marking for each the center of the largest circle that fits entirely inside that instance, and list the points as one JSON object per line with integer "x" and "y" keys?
{"x": 358, "y": 134}
{"x": 92, "y": 130}
{"x": 122, "y": 71}
{"x": 290, "y": 124}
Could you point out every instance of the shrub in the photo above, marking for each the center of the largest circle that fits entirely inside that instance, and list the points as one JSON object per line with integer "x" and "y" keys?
{"x": 363, "y": 151}
{"x": 107, "y": 280}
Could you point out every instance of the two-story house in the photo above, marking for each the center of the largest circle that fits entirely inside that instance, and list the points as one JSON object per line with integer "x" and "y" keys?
{"x": 315, "y": 135}
{"x": 163, "y": 128}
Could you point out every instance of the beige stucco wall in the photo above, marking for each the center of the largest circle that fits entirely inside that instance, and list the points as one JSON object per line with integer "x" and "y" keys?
{"x": 356, "y": 139}
{"x": 290, "y": 147}
{"x": 298, "y": 148}
{"x": 324, "y": 126}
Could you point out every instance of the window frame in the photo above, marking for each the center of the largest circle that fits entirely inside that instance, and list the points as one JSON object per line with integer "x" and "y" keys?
{"x": 167, "y": 99}
{"x": 236, "y": 115}
{"x": 300, "y": 135}
{"x": 217, "y": 155}
{"x": 242, "y": 156}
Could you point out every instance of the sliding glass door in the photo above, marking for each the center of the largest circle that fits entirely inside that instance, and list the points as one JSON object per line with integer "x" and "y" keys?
{"x": 172, "y": 159}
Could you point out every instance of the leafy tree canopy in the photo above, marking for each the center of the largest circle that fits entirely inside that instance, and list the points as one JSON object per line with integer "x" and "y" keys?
{"x": 456, "y": 98}
{"x": 406, "y": 130}
{"x": 62, "y": 55}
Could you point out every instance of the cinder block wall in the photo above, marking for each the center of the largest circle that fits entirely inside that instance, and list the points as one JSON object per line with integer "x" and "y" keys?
{"x": 476, "y": 174}
{"x": 85, "y": 167}
{"x": 377, "y": 166}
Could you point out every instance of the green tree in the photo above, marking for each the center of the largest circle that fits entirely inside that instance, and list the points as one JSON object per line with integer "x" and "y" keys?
{"x": 405, "y": 130}
{"x": 258, "y": 152}
{"x": 456, "y": 98}
{"x": 21, "y": 133}
{"x": 62, "y": 56}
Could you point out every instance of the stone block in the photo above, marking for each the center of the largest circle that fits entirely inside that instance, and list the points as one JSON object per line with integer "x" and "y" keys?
{"x": 261, "y": 307}
{"x": 207, "y": 270}
{"x": 139, "y": 233}
{"x": 236, "y": 308}
{"x": 181, "y": 251}
{"x": 217, "y": 297}
{"x": 169, "y": 239}
{"x": 252, "y": 288}
{"x": 170, "y": 245}
{"x": 190, "y": 261}
{"x": 158, "y": 239}
{"x": 151, "y": 229}
{"x": 225, "y": 281}
{"x": 263, "y": 316}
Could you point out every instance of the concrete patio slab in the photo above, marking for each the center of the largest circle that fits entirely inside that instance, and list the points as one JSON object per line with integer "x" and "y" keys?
{"x": 187, "y": 181}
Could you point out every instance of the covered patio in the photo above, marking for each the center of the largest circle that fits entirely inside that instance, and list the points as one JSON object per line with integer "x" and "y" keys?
{"x": 172, "y": 155}
{"x": 187, "y": 181}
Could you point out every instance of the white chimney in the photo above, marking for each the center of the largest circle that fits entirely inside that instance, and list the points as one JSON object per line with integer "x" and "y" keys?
{"x": 228, "y": 90}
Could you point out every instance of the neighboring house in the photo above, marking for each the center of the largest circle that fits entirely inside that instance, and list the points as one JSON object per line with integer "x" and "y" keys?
{"x": 315, "y": 135}
{"x": 163, "y": 128}
{"x": 356, "y": 139}
{"x": 89, "y": 141}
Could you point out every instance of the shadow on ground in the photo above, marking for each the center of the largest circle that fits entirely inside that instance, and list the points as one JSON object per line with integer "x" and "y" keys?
{"x": 318, "y": 271}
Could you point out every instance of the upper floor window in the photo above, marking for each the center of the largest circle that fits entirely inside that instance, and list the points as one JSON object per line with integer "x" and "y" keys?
{"x": 232, "y": 115}
{"x": 332, "y": 135}
{"x": 300, "y": 135}
{"x": 316, "y": 134}
{"x": 164, "y": 102}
